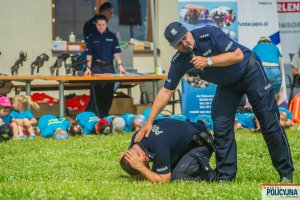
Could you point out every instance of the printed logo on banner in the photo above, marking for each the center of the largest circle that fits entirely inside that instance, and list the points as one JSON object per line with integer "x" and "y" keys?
{"x": 287, "y": 7}
{"x": 280, "y": 191}
{"x": 289, "y": 26}
{"x": 265, "y": 2}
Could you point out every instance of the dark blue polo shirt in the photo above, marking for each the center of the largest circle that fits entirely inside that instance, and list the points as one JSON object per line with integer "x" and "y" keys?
{"x": 103, "y": 46}
{"x": 209, "y": 41}
{"x": 169, "y": 140}
{"x": 89, "y": 28}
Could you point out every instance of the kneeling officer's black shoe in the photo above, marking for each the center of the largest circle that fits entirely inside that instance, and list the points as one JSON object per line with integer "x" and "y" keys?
{"x": 286, "y": 178}
{"x": 204, "y": 138}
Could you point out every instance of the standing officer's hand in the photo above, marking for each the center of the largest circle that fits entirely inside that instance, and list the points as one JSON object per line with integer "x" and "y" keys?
{"x": 199, "y": 62}
{"x": 122, "y": 70}
{"x": 87, "y": 72}
{"x": 145, "y": 131}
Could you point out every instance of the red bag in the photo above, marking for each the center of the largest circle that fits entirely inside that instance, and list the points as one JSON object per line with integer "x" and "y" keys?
{"x": 78, "y": 103}
{"x": 42, "y": 98}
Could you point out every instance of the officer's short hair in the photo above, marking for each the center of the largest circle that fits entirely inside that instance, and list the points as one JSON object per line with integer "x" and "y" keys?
{"x": 101, "y": 17}
{"x": 105, "y": 6}
{"x": 127, "y": 167}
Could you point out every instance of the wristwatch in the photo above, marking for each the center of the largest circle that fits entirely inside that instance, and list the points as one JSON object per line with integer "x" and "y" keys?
{"x": 209, "y": 61}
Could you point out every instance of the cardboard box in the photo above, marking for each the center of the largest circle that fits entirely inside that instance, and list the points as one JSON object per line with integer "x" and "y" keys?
{"x": 121, "y": 104}
{"x": 138, "y": 46}
{"x": 139, "y": 108}
{"x": 59, "y": 45}
{"x": 46, "y": 109}
{"x": 74, "y": 48}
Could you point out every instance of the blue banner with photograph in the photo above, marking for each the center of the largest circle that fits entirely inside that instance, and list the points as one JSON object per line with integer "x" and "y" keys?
{"x": 196, "y": 14}
{"x": 196, "y": 100}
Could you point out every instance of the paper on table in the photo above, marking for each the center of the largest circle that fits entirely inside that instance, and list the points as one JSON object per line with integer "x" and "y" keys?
{"x": 128, "y": 74}
{"x": 105, "y": 74}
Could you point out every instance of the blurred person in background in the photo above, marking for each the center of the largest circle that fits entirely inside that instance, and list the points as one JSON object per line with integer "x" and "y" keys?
{"x": 89, "y": 28}
{"x": 271, "y": 59}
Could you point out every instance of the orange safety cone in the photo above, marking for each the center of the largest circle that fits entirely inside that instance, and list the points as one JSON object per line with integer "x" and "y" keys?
{"x": 294, "y": 107}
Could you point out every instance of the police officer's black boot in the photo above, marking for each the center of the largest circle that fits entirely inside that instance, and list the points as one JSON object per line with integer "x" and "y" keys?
{"x": 286, "y": 178}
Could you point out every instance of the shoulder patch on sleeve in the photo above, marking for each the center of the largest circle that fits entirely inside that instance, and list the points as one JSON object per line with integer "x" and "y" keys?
{"x": 176, "y": 56}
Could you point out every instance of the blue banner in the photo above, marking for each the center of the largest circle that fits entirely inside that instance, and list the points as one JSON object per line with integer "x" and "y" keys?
{"x": 196, "y": 101}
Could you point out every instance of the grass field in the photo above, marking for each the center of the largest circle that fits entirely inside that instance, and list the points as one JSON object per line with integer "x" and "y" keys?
{"x": 87, "y": 168}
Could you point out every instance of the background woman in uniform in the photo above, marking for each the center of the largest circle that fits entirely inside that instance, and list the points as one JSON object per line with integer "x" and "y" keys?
{"x": 102, "y": 49}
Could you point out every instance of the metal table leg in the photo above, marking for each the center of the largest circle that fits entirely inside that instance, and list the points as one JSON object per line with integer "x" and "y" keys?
{"x": 61, "y": 99}
{"x": 28, "y": 88}
{"x": 129, "y": 90}
{"x": 155, "y": 88}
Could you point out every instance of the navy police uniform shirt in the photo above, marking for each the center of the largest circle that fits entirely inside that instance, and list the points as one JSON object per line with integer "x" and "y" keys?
{"x": 169, "y": 140}
{"x": 89, "y": 28}
{"x": 103, "y": 46}
{"x": 209, "y": 41}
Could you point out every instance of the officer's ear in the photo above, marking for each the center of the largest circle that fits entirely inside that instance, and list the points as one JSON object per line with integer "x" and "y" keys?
{"x": 138, "y": 150}
{"x": 144, "y": 156}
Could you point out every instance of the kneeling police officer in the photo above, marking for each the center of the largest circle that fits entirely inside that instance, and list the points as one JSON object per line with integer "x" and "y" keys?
{"x": 179, "y": 150}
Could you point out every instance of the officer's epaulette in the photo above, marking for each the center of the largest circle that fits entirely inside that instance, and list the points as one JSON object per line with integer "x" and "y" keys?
{"x": 177, "y": 55}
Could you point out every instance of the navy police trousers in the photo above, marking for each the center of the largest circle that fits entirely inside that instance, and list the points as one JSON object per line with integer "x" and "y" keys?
{"x": 260, "y": 94}
{"x": 194, "y": 166}
{"x": 101, "y": 93}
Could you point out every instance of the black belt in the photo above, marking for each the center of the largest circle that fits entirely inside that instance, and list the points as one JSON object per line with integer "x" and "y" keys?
{"x": 102, "y": 62}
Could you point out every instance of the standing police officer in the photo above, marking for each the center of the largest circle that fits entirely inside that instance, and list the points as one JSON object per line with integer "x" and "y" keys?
{"x": 236, "y": 71}
{"x": 89, "y": 28}
{"x": 102, "y": 48}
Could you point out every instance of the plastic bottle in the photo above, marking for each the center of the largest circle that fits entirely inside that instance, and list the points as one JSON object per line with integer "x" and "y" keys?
{"x": 72, "y": 37}
{"x": 158, "y": 69}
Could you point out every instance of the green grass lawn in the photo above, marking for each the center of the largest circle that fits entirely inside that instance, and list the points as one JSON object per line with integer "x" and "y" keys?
{"x": 87, "y": 168}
